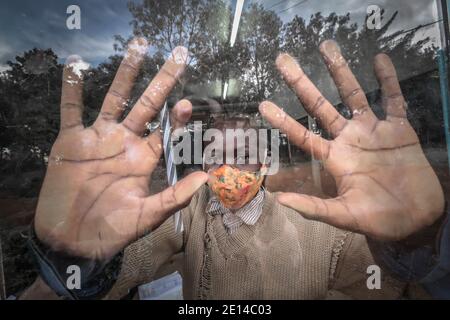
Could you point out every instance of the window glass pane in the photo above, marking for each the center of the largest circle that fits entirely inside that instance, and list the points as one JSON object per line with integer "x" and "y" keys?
{"x": 233, "y": 46}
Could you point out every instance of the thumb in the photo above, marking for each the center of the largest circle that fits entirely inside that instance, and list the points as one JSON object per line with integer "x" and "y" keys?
{"x": 180, "y": 114}
{"x": 157, "y": 208}
{"x": 334, "y": 212}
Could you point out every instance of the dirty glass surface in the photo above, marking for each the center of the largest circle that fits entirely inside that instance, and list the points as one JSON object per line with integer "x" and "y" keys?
{"x": 231, "y": 69}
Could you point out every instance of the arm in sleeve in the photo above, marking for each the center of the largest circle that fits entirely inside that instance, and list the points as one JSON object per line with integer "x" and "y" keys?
{"x": 422, "y": 261}
{"x": 144, "y": 258}
{"x": 427, "y": 265}
{"x": 351, "y": 265}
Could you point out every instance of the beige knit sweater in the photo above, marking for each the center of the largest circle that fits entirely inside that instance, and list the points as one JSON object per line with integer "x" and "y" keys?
{"x": 283, "y": 256}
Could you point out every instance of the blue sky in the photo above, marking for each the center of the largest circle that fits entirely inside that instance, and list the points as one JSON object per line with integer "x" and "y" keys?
{"x": 26, "y": 24}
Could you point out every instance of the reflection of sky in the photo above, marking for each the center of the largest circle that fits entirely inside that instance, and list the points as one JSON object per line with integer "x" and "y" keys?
{"x": 26, "y": 24}
{"x": 411, "y": 13}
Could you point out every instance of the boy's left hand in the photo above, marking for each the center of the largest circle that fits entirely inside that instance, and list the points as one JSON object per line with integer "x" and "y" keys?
{"x": 386, "y": 186}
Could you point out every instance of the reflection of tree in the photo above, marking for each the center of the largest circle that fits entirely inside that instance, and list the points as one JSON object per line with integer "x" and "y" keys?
{"x": 30, "y": 91}
{"x": 168, "y": 24}
{"x": 302, "y": 39}
{"x": 98, "y": 80}
{"x": 359, "y": 46}
{"x": 260, "y": 32}
{"x": 413, "y": 59}
{"x": 204, "y": 28}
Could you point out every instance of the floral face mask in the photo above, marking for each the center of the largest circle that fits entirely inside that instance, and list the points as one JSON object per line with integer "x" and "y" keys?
{"x": 234, "y": 187}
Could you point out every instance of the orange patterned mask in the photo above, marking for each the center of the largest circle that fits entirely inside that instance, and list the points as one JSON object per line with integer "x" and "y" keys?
{"x": 234, "y": 187}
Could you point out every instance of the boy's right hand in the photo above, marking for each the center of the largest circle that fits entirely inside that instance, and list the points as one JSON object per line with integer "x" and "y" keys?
{"x": 95, "y": 197}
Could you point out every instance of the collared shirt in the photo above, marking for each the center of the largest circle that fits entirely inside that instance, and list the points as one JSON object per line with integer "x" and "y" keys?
{"x": 248, "y": 214}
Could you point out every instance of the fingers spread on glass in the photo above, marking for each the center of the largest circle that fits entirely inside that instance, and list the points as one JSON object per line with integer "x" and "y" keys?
{"x": 311, "y": 98}
{"x": 393, "y": 101}
{"x": 152, "y": 100}
{"x": 297, "y": 133}
{"x": 119, "y": 93}
{"x": 349, "y": 89}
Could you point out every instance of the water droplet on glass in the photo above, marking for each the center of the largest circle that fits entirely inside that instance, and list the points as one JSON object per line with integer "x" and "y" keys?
{"x": 123, "y": 105}
{"x": 315, "y": 129}
{"x": 153, "y": 126}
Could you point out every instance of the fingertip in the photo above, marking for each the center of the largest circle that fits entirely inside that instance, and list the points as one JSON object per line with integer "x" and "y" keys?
{"x": 74, "y": 58}
{"x": 381, "y": 56}
{"x": 328, "y": 45}
{"x": 203, "y": 176}
{"x": 268, "y": 108}
{"x": 198, "y": 178}
{"x": 283, "y": 59}
{"x": 292, "y": 201}
{"x": 211, "y": 178}
{"x": 180, "y": 114}
{"x": 289, "y": 68}
{"x": 138, "y": 45}
{"x": 331, "y": 52}
{"x": 180, "y": 55}
{"x": 184, "y": 107}
{"x": 382, "y": 60}
{"x": 296, "y": 202}
{"x": 75, "y": 65}
{"x": 384, "y": 69}
{"x": 141, "y": 41}
{"x": 263, "y": 106}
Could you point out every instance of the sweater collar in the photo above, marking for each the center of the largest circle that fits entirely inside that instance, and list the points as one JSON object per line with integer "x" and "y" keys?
{"x": 248, "y": 214}
{"x": 230, "y": 244}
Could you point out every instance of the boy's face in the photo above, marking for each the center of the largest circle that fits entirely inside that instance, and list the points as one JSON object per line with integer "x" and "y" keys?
{"x": 235, "y": 182}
